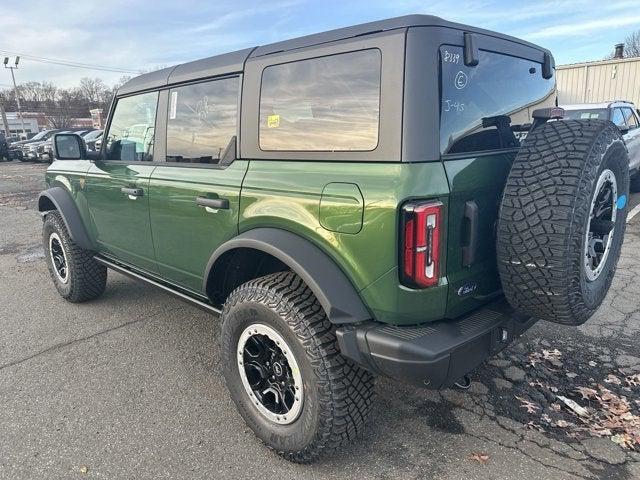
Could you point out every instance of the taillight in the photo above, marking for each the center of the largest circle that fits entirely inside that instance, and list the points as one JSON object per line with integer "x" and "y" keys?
{"x": 421, "y": 228}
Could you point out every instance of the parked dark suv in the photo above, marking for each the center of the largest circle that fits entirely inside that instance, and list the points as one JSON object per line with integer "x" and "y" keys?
{"x": 352, "y": 203}
{"x": 626, "y": 117}
{"x": 4, "y": 148}
{"x": 22, "y": 150}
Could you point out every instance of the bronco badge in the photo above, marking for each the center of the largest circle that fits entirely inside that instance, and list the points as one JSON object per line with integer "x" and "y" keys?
{"x": 467, "y": 289}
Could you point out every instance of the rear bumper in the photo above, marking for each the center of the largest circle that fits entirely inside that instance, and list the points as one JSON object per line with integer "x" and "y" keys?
{"x": 437, "y": 354}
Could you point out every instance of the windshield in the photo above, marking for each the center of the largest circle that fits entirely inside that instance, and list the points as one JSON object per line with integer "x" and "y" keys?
{"x": 501, "y": 89}
{"x": 92, "y": 135}
{"x": 587, "y": 113}
{"x": 40, "y": 136}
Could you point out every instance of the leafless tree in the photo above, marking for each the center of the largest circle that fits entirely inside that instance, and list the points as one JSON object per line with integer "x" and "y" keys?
{"x": 62, "y": 105}
{"x": 37, "y": 92}
{"x": 94, "y": 90}
{"x": 67, "y": 107}
{"x": 631, "y": 46}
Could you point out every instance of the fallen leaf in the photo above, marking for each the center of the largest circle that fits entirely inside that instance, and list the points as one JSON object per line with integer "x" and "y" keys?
{"x": 600, "y": 432}
{"x": 479, "y": 457}
{"x": 562, "y": 424}
{"x": 586, "y": 392}
{"x": 624, "y": 440}
{"x": 618, "y": 408}
{"x": 555, "y": 407}
{"x": 633, "y": 380}
{"x": 529, "y": 405}
{"x": 84, "y": 469}
{"x": 611, "y": 378}
{"x": 551, "y": 354}
{"x": 534, "y": 426}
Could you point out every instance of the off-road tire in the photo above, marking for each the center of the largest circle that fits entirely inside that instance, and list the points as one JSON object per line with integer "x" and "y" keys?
{"x": 544, "y": 215}
{"x": 338, "y": 394}
{"x": 86, "y": 278}
{"x": 634, "y": 184}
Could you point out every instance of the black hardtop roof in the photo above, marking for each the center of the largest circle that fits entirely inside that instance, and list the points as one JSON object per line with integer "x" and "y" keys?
{"x": 233, "y": 62}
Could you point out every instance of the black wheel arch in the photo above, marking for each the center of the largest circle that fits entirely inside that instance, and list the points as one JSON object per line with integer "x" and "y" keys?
{"x": 57, "y": 198}
{"x": 333, "y": 289}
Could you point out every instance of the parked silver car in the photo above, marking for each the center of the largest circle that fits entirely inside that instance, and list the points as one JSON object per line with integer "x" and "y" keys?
{"x": 626, "y": 116}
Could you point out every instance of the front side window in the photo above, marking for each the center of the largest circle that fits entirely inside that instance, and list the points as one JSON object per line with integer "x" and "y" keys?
{"x": 322, "y": 104}
{"x": 482, "y": 108}
{"x": 617, "y": 117}
{"x": 131, "y": 133}
{"x": 630, "y": 118}
{"x": 202, "y": 119}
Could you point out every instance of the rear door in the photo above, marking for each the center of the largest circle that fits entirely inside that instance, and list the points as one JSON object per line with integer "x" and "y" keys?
{"x": 117, "y": 186}
{"x": 482, "y": 110}
{"x": 195, "y": 193}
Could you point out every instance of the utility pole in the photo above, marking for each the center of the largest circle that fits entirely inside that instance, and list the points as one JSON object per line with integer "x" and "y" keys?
{"x": 15, "y": 88}
{"x": 5, "y": 123}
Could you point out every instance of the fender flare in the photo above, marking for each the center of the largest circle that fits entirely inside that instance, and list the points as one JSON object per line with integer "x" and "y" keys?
{"x": 62, "y": 201}
{"x": 334, "y": 291}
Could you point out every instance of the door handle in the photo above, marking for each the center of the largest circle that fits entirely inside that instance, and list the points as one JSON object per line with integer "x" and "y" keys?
{"x": 215, "y": 203}
{"x": 132, "y": 192}
{"x": 469, "y": 250}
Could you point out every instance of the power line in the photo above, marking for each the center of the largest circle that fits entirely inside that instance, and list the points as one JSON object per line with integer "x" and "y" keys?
{"x": 69, "y": 63}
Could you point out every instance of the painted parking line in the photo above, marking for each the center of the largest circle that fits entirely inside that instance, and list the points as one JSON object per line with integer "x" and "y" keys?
{"x": 633, "y": 213}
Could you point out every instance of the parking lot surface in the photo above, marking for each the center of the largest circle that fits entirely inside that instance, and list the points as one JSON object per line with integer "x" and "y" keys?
{"x": 129, "y": 386}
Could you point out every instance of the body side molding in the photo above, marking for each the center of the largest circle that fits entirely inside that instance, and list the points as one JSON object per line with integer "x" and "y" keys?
{"x": 335, "y": 292}
{"x": 57, "y": 198}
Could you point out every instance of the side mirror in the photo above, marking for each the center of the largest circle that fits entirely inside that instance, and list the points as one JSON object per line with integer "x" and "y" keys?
{"x": 624, "y": 129}
{"x": 68, "y": 146}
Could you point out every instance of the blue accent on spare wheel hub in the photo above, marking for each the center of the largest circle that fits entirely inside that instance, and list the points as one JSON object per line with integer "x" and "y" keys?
{"x": 621, "y": 202}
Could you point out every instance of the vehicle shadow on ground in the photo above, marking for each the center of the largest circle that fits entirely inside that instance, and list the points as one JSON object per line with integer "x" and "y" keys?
{"x": 511, "y": 407}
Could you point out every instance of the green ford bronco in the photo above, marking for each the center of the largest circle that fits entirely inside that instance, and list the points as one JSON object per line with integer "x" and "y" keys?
{"x": 399, "y": 198}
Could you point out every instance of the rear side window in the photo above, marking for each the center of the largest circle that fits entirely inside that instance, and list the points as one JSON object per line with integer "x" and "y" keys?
{"x": 201, "y": 120}
{"x": 131, "y": 132}
{"x": 322, "y": 104}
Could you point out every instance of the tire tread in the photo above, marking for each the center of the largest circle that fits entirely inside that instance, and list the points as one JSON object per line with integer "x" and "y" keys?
{"x": 346, "y": 389}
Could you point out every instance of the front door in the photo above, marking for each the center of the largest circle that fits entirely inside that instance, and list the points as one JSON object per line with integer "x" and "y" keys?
{"x": 632, "y": 138}
{"x": 117, "y": 186}
{"x": 195, "y": 195}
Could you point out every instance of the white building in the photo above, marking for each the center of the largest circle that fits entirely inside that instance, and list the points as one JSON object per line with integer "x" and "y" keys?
{"x": 15, "y": 126}
{"x": 601, "y": 81}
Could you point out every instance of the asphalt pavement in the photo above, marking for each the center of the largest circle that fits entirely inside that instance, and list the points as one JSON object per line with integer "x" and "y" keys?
{"x": 129, "y": 386}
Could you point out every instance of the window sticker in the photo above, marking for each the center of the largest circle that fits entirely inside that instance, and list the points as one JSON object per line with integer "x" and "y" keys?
{"x": 273, "y": 121}
{"x": 174, "y": 105}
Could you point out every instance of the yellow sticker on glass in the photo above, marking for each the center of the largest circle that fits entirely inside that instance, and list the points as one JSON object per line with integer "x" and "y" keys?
{"x": 273, "y": 121}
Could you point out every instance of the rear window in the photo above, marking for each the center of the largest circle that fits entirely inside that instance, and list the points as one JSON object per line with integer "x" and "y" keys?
{"x": 587, "y": 114}
{"x": 322, "y": 104}
{"x": 501, "y": 89}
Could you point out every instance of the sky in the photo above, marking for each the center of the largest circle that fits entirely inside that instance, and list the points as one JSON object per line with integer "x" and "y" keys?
{"x": 134, "y": 36}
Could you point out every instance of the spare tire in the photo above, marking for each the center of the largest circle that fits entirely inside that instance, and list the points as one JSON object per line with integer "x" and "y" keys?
{"x": 562, "y": 220}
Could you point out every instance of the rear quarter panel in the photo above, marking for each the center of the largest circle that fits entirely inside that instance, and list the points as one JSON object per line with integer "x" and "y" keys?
{"x": 286, "y": 195}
